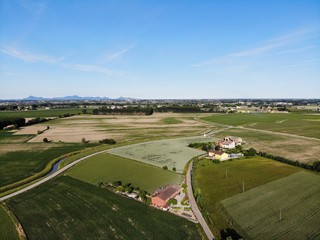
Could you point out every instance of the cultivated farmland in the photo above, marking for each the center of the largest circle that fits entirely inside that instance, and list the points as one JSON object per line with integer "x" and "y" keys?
{"x": 170, "y": 153}
{"x": 67, "y": 208}
{"x": 257, "y": 211}
{"x": 108, "y": 168}
{"x": 214, "y": 185}
{"x": 298, "y": 124}
{"x": 7, "y": 226}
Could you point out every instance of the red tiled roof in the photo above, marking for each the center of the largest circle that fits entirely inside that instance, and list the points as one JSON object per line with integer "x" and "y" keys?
{"x": 168, "y": 192}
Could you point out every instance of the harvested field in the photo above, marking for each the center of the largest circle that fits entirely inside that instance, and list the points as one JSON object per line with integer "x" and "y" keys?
{"x": 67, "y": 208}
{"x": 107, "y": 168}
{"x": 120, "y": 128}
{"x": 294, "y": 148}
{"x": 297, "y": 196}
{"x": 170, "y": 153}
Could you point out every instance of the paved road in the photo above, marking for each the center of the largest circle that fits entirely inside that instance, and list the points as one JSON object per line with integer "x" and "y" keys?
{"x": 194, "y": 205}
{"x": 49, "y": 177}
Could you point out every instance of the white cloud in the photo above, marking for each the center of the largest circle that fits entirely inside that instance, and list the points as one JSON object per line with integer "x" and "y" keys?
{"x": 264, "y": 50}
{"x": 118, "y": 55}
{"x": 30, "y": 57}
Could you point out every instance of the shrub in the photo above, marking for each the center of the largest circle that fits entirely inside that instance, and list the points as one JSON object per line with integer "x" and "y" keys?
{"x": 45, "y": 140}
{"x": 108, "y": 141}
{"x": 165, "y": 167}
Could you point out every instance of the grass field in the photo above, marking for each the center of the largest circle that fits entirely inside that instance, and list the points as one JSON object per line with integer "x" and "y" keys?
{"x": 170, "y": 153}
{"x": 67, "y": 208}
{"x": 298, "y": 124}
{"x": 41, "y": 113}
{"x": 16, "y": 165}
{"x": 215, "y": 187}
{"x": 294, "y": 148}
{"x": 7, "y": 226}
{"x": 257, "y": 211}
{"x": 108, "y": 168}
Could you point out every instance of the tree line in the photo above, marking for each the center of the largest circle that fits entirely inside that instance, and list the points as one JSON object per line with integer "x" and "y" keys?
{"x": 314, "y": 167}
{"x": 17, "y": 121}
{"x": 123, "y": 111}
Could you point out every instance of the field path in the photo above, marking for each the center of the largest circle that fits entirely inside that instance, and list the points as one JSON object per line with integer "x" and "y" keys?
{"x": 194, "y": 205}
{"x": 49, "y": 177}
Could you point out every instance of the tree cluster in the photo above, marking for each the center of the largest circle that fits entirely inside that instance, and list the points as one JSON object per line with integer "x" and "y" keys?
{"x": 108, "y": 141}
{"x": 17, "y": 121}
{"x": 205, "y": 146}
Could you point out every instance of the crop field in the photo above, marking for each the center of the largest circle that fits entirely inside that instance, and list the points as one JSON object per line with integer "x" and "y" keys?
{"x": 41, "y": 113}
{"x": 257, "y": 211}
{"x": 170, "y": 153}
{"x": 298, "y": 124}
{"x": 120, "y": 128}
{"x": 67, "y": 208}
{"x": 27, "y": 159}
{"x": 7, "y": 226}
{"x": 294, "y": 148}
{"x": 107, "y": 168}
{"x": 215, "y": 186}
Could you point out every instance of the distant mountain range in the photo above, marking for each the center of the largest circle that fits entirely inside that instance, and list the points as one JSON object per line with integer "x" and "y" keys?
{"x": 74, "y": 98}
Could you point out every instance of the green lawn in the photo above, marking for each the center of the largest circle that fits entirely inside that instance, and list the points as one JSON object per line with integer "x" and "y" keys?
{"x": 17, "y": 165}
{"x": 42, "y": 113}
{"x": 170, "y": 152}
{"x": 171, "y": 120}
{"x": 107, "y": 168}
{"x": 67, "y": 208}
{"x": 298, "y": 124}
{"x": 257, "y": 211}
{"x": 7, "y": 226}
{"x": 214, "y": 186}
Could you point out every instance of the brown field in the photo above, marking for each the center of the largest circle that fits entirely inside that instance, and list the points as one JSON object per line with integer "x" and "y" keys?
{"x": 120, "y": 128}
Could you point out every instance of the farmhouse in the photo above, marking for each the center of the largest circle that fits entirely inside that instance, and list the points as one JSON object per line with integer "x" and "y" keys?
{"x": 236, "y": 140}
{"x": 227, "y": 144}
{"x": 219, "y": 155}
{"x": 160, "y": 197}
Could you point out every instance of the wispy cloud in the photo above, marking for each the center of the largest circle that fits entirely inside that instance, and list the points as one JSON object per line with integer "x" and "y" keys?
{"x": 117, "y": 55}
{"x": 30, "y": 57}
{"x": 92, "y": 68}
{"x": 266, "y": 49}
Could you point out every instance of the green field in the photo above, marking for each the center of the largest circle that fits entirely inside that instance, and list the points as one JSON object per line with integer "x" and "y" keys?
{"x": 211, "y": 179}
{"x": 7, "y": 226}
{"x": 42, "y": 113}
{"x": 170, "y": 120}
{"x": 67, "y": 208}
{"x": 257, "y": 211}
{"x": 108, "y": 168}
{"x": 17, "y": 165}
{"x": 298, "y": 124}
{"x": 171, "y": 152}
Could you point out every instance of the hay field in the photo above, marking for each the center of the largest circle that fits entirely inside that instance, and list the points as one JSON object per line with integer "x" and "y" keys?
{"x": 120, "y": 128}
{"x": 67, "y": 208}
{"x": 257, "y": 211}
{"x": 107, "y": 168}
{"x": 294, "y": 148}
{"x": 170, "y": 152}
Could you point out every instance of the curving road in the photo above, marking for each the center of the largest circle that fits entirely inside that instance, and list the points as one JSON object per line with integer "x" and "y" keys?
{"x": 194, "y": 205}
{"x": 49, "y": 177}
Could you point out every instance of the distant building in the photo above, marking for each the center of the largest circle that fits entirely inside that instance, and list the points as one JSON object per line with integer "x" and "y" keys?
{"x": 160, "y": 197}
{"x": 218, "y": 155}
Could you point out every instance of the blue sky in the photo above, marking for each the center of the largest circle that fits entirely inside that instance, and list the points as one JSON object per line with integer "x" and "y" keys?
{"x": 160, "y": 49}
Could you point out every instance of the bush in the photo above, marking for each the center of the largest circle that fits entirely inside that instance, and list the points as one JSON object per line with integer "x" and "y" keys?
{"x": 83, "y": 140}
{"x": 45, "y": 140}
{"x": 108, "y": 141}
{"x": 174, "y": 169}
{"x": 165, "y": 167}
{"x": 172, "y": 201}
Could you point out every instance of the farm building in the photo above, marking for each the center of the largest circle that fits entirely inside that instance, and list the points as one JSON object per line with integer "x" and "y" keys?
{"x": 236, "y": 140}
{"x": 160, "y": 197}
{"x": 227, "y": 144}
{"x": 219, "y": 155}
